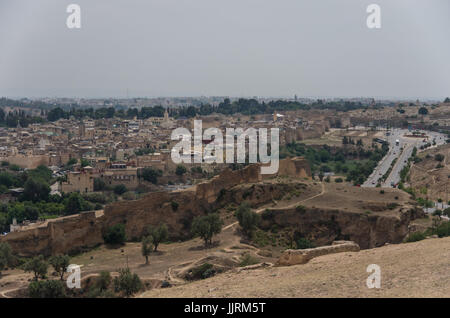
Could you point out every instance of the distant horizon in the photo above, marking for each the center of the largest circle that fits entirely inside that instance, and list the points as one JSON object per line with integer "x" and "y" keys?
{"x": 379, "y": 98}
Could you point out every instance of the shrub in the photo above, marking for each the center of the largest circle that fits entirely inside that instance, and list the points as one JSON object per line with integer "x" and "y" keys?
{"x": 47, "y": 289}
{"x": 203, "y": 271}
{"x": 180, "y": 170}
{"x": 115, "y": 234}
{"x": 127, "y": 282}
{"x": 174, "y": 205}
{"x": 247, "y": 260}
{"x": 443, "y": 229}
{"x": 267, "y": 214}
{"x": 151, "y": 175}
{"x": 439, "y": 157}
{"x": 120, "y": 189}
{"x": 415, "y": 237}
{"x": 303, "y": 243}
{"x": 338, "y": 180}
{"x": 300, "y": 208}
{"x": 129, "y": 195}
{"x": 104, "y": 280}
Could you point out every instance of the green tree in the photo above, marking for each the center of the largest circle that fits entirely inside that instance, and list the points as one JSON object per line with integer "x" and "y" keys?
{"x": 99, "y": 184}
{"x": 6, "y": 256}
{"x": 47, "y": 289}
{"x": 104, "y": 280}
{"x": 115, "y": 234}
{"x": 127, "y": 282}
{"x": 146, "y": 247}
{"x": 60, "y": 264}
{"x": 35, "y": 190}
{"x": 206, "y": 227}
{"x": 180, "y": 170}
{"x": 423, "y": 111}
{"x": 248, "y": 219}
{"x": 120, "y": 189}
{"x": 151, "y": 175}
{"x": 37, "y": 265}
{"x": 158, "y": 234}
{"x": 73, "y": 204}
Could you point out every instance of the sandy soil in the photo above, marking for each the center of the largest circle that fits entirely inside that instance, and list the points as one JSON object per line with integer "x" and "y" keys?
{"x": 420, "y": 269}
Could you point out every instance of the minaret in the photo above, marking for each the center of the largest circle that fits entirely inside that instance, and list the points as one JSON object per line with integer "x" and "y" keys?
{"x": 166, "y": 116}
{"x": 82, "y": 130}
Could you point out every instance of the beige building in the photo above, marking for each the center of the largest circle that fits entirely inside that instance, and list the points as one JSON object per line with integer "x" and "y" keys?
{"x": 79, "y": 181}
{"x": 120, "y": 174}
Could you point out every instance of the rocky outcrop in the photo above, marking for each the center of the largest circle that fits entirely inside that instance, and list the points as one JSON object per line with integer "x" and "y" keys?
{"x": 323, "y": 226}
{"x": 296, "y": 257}
{"x": 228, "y": 178}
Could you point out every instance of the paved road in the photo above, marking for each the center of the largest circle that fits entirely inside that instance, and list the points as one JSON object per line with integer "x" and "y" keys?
{"x": 402, "y": 151}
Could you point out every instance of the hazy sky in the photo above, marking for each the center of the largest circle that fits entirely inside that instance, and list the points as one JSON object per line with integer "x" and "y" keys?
{"x": 225, "y": 47}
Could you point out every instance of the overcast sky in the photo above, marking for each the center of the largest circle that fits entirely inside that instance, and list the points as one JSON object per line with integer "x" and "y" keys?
{"x": 225, "y": 47}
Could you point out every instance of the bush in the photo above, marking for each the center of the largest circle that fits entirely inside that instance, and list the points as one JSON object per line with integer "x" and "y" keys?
{"x": 247, "y": 260}
{"x": 203, "y": 271}
{"x": 120, "y": 189}
{"x": 303, "y": 243}
{"x": 115, "y": 235}
{"x": 174, "y": 205}
{"x": 443, "y": 229}
{"x": 104, "y": 280}
{"x": 127, "y": 282}
{"x": 439, "y": 157}
{"x": 415, "y": 237}
{"x": 129, "y": 195}
{"x": 180, "y": 170}
{"x": 99, "y": 184}
{"x": 47, "y": 289}
{"x": 338, "y": 180}
{"x": 151, "y": 175}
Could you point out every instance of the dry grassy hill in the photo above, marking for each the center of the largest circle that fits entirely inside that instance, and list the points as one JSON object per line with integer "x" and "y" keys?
{"x": 420, "y": 269}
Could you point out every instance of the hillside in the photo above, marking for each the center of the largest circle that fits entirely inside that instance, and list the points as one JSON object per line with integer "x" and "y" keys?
{"x": 420, "y": 269}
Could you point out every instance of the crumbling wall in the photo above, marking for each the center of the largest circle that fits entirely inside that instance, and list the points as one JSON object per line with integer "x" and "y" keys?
{"x": 296, "y": 257}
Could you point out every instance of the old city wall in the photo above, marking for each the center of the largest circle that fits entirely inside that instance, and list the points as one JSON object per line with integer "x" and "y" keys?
{"x": 177, "y": 209}
{"x": 29, "y": 162}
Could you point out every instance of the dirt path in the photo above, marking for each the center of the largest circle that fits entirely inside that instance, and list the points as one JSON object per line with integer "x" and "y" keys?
{"x": 260, "y": 210}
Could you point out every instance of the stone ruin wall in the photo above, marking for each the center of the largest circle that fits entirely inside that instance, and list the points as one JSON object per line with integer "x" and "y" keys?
{"x": 85, "y": 230}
